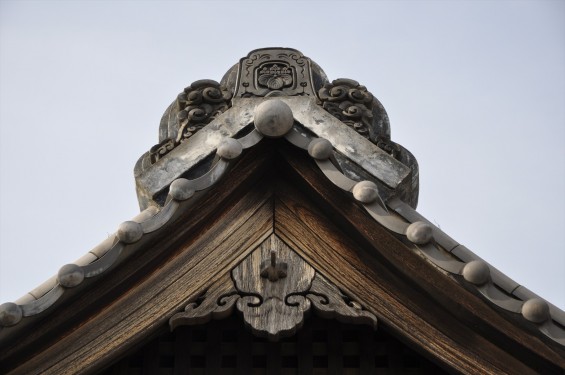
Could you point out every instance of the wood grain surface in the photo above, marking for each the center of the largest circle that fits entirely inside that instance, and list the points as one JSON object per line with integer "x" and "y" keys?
{"x": 276, "y": 199}
{"x": 271, "y": 316}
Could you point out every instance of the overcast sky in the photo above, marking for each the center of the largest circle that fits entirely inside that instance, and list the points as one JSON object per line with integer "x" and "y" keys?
{"x": 474, "y": 89}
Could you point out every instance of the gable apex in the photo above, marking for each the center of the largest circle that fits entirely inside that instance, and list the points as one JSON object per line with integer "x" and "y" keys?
{"x": 283, "y": 166}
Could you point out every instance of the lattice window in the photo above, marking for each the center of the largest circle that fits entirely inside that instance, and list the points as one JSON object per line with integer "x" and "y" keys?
{"x": 320, "y": 347}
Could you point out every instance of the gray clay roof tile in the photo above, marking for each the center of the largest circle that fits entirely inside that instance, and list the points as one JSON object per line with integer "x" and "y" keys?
{"x": 508, "y": 293}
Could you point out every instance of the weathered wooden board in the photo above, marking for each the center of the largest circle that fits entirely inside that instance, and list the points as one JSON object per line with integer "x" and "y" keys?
{"x": 264, "y": 302}
{"x": 157, "y": 282}
{"x": 286, "y": 196}
{"x": 409, "y": 288}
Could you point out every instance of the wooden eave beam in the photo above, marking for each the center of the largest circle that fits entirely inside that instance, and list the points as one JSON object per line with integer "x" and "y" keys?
{"x": 277, "y": 188}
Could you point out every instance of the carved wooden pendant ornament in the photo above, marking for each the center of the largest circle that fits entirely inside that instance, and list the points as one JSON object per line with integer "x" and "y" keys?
{"x": 273, "y": 306}
{"x": 273, "y": 288}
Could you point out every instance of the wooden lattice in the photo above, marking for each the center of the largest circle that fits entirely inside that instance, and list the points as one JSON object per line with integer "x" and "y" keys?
{"x": 321, "y": 347}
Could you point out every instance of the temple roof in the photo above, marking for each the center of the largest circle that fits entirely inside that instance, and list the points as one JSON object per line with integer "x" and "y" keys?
{"x": 278, "y": 98}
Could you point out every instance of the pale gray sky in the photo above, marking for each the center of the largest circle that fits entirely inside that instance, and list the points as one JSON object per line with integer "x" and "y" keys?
{"x": 475, "y": 89}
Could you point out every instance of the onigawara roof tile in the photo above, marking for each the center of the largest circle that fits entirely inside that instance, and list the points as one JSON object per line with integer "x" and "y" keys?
{"x": 344, "y": 130}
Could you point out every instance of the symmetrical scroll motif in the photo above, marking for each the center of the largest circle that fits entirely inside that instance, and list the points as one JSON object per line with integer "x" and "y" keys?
{"x": 274, "y": 71}
{"x": 198, "y": 105}
{"x": 273, "y": 316}
{"x": 216, "y": 303}
{"x": 350, "y": 103}
{"x": 274, "y": 290}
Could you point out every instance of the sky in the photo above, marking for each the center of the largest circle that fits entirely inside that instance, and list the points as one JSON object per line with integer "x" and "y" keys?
{"x": 474, "y": 89}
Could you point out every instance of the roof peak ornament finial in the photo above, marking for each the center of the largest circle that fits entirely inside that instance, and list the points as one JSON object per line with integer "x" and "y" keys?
{"x": 275, "y": 72}
{"x": 207, "y": 112}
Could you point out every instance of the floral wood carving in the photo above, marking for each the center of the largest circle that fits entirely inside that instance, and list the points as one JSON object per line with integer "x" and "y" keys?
{"x": 274, "y": 289}
{"x": 272, "y": 269}
{"x": 198, "y": 105}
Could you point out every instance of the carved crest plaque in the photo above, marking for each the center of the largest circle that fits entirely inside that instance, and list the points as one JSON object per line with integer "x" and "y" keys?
{"x": 274, "y": 71}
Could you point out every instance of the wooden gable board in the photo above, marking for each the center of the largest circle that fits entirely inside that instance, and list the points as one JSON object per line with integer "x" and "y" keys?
{"x": 277, "y": 189}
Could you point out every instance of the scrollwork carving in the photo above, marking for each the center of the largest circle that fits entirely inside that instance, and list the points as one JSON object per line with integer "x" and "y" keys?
{"x": 216, "y": 303}
{"x": 389, "y": 147}
{"x": 161, "y": 149}
{"x": 274, "y": 303}
{"x": 350, "y": 103}
{"x": 330, "y": 303}
{"x": 198, "y": 105}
